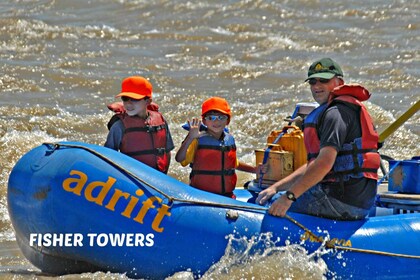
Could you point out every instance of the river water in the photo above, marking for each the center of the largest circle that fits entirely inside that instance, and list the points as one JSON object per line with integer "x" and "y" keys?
{"x": 63, "y": 61}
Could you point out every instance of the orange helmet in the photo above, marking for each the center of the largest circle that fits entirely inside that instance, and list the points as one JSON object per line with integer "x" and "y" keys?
{"x": 215, "y": 104}
{"x": 136, "y": 87}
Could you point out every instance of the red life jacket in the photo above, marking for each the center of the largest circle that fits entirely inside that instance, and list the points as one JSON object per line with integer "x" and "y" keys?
{"x": 354, "y": 160}
{"x": 145, "y": 140}
{"x": 213, "y": 168}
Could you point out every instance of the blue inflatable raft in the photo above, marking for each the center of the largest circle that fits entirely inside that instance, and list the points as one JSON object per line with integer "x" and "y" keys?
{"x": 79, "y": 207}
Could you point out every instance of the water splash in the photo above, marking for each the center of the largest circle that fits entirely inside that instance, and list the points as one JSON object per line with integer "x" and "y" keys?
{"x": 261, "y": 257}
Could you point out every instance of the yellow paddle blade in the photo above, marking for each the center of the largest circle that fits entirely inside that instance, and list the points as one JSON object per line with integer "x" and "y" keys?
{"x": 402, "y": 119}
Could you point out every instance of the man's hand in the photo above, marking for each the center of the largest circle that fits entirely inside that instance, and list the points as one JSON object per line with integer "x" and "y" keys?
{"x": 265, "y": 195}
{"x": 280, "y": 206}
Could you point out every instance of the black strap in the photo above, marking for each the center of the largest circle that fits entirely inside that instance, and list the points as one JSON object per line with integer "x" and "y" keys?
{"x": 157, "y": 151}
{"x": 356, "y": 151}
{"x": 227, "y": 172}
{"x": 218, "y": 148}
{"x": 145, "y": 128}
{"x": 113, "y": 120}
{"x": 357, "y": 166}
{"x": 349, "y": 152}
{"x": 337, "y": 174}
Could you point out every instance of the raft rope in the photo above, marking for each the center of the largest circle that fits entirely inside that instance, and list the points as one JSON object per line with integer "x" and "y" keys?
{"x": 170, "y": 198}
{"x": 329, "y": 244}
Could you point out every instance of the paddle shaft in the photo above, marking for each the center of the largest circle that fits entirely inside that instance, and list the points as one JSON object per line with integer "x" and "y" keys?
{"x": 402, "y": 119}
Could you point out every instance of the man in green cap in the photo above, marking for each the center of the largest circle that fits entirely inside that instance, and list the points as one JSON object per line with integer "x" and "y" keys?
{"x": 339, "y": 181}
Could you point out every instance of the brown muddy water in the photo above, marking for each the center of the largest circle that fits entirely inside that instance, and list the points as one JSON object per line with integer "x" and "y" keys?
{"x": 63, "y": 61}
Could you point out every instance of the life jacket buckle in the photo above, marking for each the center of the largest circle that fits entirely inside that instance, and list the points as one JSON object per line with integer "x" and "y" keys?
{"x": 160, "y": 151}
{"x": 229, "y": 172}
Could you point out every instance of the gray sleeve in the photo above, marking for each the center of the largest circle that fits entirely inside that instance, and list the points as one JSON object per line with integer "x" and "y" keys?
{"x": 169, "y": 142}
{"x": 341, "y": 124}
{"x": 115, "y": 134}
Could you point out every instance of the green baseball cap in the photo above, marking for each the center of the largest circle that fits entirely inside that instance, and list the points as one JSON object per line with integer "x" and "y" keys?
{"x": 325, "y": 68}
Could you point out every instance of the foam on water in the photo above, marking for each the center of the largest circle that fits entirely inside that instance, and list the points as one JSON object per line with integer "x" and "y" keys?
{"x": 261, "y": 257}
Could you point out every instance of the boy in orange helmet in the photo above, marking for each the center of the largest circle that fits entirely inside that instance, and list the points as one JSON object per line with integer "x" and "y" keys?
{"x": 139, "y": 130}
{"x": 212, "y": 153}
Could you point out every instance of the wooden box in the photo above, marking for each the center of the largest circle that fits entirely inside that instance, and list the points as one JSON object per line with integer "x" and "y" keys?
{"x": 280, "y": 164}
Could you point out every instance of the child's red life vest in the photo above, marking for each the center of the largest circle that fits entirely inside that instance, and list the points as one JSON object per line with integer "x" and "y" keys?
{"x": 144, "y": 140}
{"x": 213, "y": 168}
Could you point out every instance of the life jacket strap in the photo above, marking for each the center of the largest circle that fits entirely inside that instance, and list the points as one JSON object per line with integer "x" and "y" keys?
{"x": 146, "y": 128}
{"x": 157, "y": 151}
{"x": 356, "y": 151}
{"x": 227, "y": 172}
{"x": 338, "y": 174}
{"x": 218, "y": 148}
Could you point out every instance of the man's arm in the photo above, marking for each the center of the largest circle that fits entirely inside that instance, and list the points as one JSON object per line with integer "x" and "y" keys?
{"x": 316, "y": 170}
{"x": 283, "y": 184}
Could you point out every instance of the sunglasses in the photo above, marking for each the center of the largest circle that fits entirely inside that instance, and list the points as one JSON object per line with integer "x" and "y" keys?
{"x": 216, "y": 117}
{"x": 313, "y": 81}
{"x": 126, "y": 99}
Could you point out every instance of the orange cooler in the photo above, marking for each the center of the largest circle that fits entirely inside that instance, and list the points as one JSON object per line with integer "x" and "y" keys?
{"x": 291, "y": 141}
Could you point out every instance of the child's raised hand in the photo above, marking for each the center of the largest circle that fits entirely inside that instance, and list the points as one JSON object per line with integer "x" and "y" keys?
{"x": 194, "y": 124}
